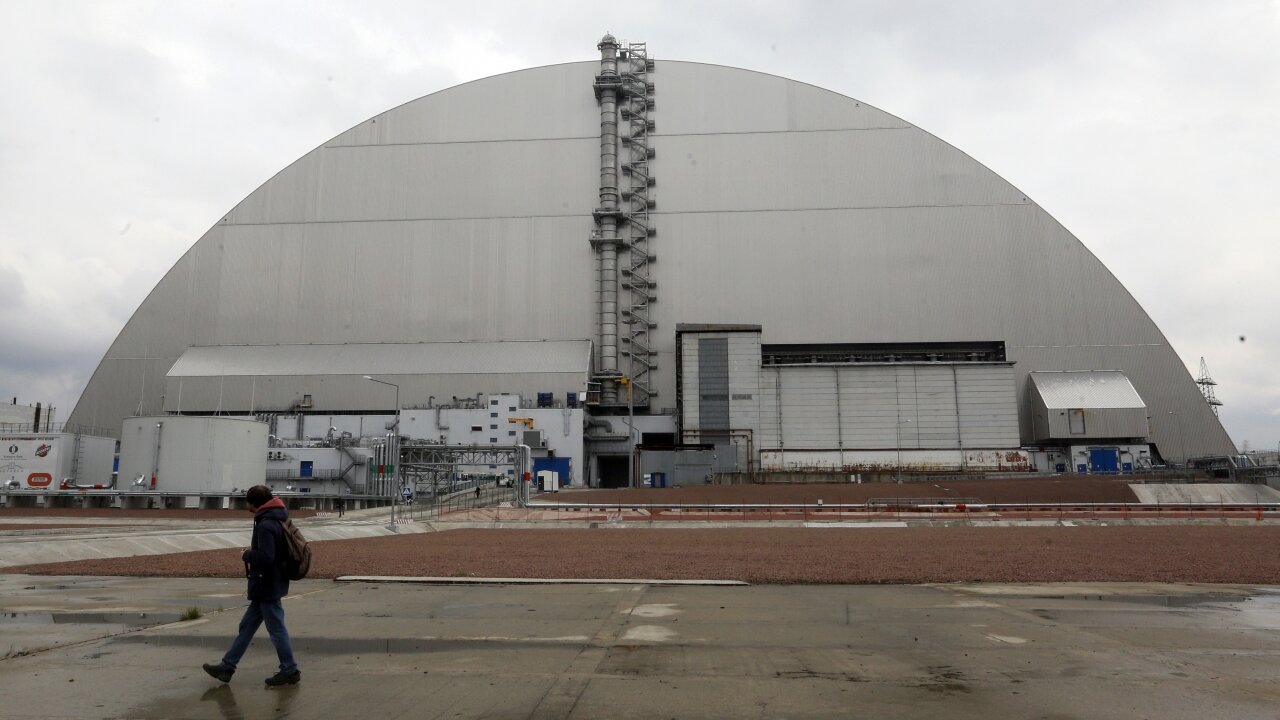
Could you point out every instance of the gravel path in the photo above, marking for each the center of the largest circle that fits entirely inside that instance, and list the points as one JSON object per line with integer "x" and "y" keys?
{"x": 1064, "y": 489}
{"x": 1162, "y": 553}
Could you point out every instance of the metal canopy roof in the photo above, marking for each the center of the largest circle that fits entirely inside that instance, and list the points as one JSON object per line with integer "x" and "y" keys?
{"x": 437, "y": 358}
{"x": 1096, "y": 389}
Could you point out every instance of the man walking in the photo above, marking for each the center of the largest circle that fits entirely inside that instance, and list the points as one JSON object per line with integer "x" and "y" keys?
{"x": 264, "y": 563}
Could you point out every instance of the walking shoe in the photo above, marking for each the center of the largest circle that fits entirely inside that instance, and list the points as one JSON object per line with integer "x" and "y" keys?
{"x": 284, "y": 678}
{"x": 221, "y": 672}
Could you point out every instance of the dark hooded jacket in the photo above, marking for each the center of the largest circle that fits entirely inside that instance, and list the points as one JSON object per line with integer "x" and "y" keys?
{"x": 264, "y": 561}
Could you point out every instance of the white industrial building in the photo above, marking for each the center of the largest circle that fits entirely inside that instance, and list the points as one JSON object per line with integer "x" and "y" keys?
{"x": 51, "y": 461}
{"x": 731, "y": 271}
{"x": 16, "y": 417}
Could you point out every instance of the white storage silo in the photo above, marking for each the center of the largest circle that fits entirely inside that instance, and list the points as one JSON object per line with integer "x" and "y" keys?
{"x": 176, "y": 454}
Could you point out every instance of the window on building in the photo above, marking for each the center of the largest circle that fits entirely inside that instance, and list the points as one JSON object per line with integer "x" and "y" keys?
{"x": 477, "y": 428}
{"x": 493, "y": 440}
{"x": 1076, "y": 420}
{"x": 493, "y": 415}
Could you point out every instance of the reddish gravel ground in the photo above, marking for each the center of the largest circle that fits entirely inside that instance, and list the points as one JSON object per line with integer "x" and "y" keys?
{"x": 1064, "y": 489}
{"x": 1164, "y": 553}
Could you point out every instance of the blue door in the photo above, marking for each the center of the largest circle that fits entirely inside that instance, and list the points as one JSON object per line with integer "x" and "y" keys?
{"x": 305, "y": 469}
{"x": 1104, "y": 460}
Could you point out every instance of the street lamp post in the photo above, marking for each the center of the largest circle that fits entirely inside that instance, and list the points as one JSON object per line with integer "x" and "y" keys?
{"x": 1182, "y": 440}
{"x": 394, "y": 485}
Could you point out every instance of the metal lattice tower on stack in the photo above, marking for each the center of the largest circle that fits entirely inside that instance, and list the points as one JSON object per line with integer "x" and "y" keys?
{"x": 1206, "y": 384}
{"x": 638, "y": 199}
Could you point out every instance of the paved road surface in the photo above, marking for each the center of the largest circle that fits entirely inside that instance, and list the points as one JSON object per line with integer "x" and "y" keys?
{"x": 635, "y": 651}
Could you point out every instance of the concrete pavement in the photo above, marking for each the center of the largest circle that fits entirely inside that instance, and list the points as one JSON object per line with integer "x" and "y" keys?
{"x": 130, "y": 537}
{"x": 633, "y": 651}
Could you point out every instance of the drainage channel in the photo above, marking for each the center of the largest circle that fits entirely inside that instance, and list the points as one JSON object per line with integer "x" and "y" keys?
{"x": 133, "y": 619}
{"x": 1173, "y": 600}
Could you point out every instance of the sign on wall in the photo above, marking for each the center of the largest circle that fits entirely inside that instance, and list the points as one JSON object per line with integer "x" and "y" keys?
{"x": 31, "y": 461}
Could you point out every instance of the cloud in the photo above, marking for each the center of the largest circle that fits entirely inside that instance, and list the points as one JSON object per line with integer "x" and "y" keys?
{"x": 13, "y": 298}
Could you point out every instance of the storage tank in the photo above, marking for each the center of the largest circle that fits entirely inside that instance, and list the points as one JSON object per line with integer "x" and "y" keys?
{"x": 176, "y": 454}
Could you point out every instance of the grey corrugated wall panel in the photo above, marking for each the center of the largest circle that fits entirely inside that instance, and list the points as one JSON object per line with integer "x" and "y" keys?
{"x": 1109, "y": 405}
{"x": 338, "y": 393}
{"x": 743, "y": 358}
{"x": 869, "y": 405}
{"x": 744, "y": 380}
{"x": 455, "y": 358}
{"x": 778, "y": 203}
{"x": 773, "y": 160}
{"x": 809, "y": 408}
{"x": 689, "y": 388}
{"x": 560, "y": 104}
{"x": 772, "y": 104}
{"x": 1109, "y": 423}
{"x": 909, "y": 406}
{"x": 769, "y": 435}
{"x": 986, "y": 399}
{"x": 713, "y": 384}
{"x": 1116, "y": 423}
{"x": 433, "y": 182}
{"x": 1095, "y": 389}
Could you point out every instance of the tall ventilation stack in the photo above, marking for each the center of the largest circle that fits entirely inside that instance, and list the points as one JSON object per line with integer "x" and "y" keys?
{"x": 607, "y": 215}
{"x": 1206, "y": 384}
{"x": 625, "y": 96}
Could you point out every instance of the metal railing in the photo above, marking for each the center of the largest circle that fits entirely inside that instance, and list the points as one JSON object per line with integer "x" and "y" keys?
{"x": 457, "y": 499}
{"x": 295, "y": 474}
{"x": 46, "y": 428}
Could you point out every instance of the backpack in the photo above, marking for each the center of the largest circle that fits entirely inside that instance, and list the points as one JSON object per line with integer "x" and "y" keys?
{"x": 298, "y": 562}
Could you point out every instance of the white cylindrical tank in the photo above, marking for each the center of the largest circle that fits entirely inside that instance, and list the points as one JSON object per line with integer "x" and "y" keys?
{"x": 182, "y": 454}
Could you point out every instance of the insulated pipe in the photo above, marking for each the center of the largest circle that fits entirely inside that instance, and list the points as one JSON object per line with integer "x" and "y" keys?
{"x": 607, "y": 267}
{"x": 608, "y": 428}
{"x": 155, "y": 466}
{"x": 75, "y": 484}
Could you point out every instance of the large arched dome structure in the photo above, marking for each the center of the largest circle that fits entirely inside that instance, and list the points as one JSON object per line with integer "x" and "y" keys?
{"x": 469, "y": 215}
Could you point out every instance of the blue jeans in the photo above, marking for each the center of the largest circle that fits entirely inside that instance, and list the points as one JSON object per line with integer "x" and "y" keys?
{"x": 273, "y": 613}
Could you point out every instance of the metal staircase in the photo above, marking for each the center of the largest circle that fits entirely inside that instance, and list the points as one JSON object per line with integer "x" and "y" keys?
{"x": 635, "y": 108}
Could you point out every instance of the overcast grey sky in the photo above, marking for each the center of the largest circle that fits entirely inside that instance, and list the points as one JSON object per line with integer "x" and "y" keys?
{"x": 1151, "y": 130}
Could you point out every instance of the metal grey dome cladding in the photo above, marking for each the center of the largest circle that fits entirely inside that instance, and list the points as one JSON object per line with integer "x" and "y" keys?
{"x": 465, "y": 215}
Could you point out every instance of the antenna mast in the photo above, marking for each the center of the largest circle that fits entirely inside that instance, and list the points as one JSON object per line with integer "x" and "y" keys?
{"x": 1206, "y": 384}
